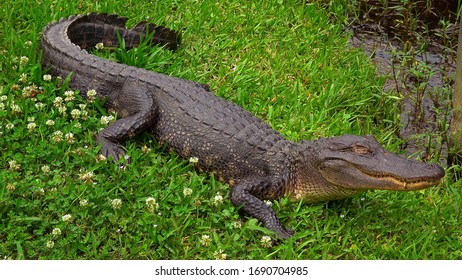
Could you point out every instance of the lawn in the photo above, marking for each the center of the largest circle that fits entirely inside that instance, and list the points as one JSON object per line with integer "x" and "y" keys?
{"x": 288, "y": 62}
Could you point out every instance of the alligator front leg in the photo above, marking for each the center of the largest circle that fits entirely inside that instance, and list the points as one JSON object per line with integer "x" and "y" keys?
{"x": 245, "y": 194}
{"x": 139, "y": 112}
{"x": 122, "y": 129}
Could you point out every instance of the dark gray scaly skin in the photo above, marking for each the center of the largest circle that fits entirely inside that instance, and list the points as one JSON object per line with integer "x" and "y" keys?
{"x": 242, "y": 150}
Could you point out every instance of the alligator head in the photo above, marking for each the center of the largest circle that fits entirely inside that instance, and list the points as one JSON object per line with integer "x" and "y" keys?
{"x": 351, "y": 164}
{"x": 361, "y": 163}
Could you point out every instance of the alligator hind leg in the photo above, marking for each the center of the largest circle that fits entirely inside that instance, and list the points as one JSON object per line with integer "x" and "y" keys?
{"x": 244, "y": 194}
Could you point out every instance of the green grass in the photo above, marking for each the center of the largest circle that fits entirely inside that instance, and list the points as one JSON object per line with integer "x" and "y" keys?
{"x": 285, "y": 61}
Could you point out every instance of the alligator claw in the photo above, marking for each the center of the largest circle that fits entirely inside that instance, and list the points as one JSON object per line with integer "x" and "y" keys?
{"x": 282, "y": 232}
{"x": 286, "y": 233}
{"x": 114, "y": 151}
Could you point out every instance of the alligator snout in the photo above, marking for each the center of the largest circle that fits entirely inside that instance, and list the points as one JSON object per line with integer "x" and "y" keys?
{"x": 437, "y": 172}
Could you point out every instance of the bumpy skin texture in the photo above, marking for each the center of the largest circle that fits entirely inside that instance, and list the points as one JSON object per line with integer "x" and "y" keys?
{"x": 240, "y": 149}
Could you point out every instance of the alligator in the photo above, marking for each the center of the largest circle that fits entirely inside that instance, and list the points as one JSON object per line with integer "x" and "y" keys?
{"x": 255, "y": 160}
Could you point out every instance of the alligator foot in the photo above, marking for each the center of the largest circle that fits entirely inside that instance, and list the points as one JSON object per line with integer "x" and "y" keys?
{"x": 112, "y": 150}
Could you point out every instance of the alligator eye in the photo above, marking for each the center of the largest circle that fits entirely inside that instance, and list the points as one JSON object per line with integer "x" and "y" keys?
{"x": 358, "y": 150}
{"x": 361, "y": 150}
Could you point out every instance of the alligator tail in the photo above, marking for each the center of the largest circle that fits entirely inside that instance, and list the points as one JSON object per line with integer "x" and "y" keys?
{"x": 89, "y": 30}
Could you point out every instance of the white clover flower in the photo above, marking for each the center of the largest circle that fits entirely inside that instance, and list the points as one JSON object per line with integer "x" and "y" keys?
{"x": 27, "y": 92}
{"x": 219, "y": 255}
{"x": 39, "y": 105}
{"x": 69, "y": 137}
{"x": 99, "y": 46}
{"x": 50, "y": 244}
{"x": 116, "y": 203}
{"x": 100, "y": 157}
{"x": 9, "y": 126}
{"x": 46, "y": 169}
{"x": 237, "y": 224}
{"x": 86, "y": 176}
{"x": 56, "y": 231}
{"x": 193, "y": 160}
{"x": 187, "y": 192}
{"x": 83, "y": 202}
{"x": 15, "y": 108}
{"x": 151, "y": 201}
{"x": 23, "y": 78}
{"x": 62, "y": 109}
{"x": 269, "y": 203}
{"x": 11, "y": 187}
{"x": 106, "y": 119}
{"x": 30, "y": 119}
{"x": 152, "y": 204}
{"x": 31, "y": 91}
{"x": 23, "y": 60}
{"x": 3, "y": 98}
{"x": 218, "y": 199}
{"x": 206, "y": 240}
{"x": 145, "y": 149}
{"x": 84, "y": 114}
{"x": 50, "y": 122}
{"x": 28, "y": 43}
{"x": 58, "y": 101}
{"x": 14, "y": 165}
{"x": 69, "y": 95}
{"x": 76, "y": 113}
{"x": 266, "y": 241}
{"x": 91, "y": 94}
{"x": 47, "y": 77}
{"x": 67, "y": 218}
{"x": 57, "y": 136}
{"x": 31, "y": 126}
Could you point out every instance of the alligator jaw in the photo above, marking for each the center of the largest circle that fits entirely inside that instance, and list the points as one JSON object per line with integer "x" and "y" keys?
{"x": 351, "y": 176}
{"x": 398, "y": 184}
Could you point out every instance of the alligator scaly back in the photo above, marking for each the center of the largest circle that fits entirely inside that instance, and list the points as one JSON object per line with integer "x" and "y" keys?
{"x": 242, "y": 150}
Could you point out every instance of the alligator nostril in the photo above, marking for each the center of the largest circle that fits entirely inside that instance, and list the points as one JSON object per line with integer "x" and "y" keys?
{"x": 438, "y": 170}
